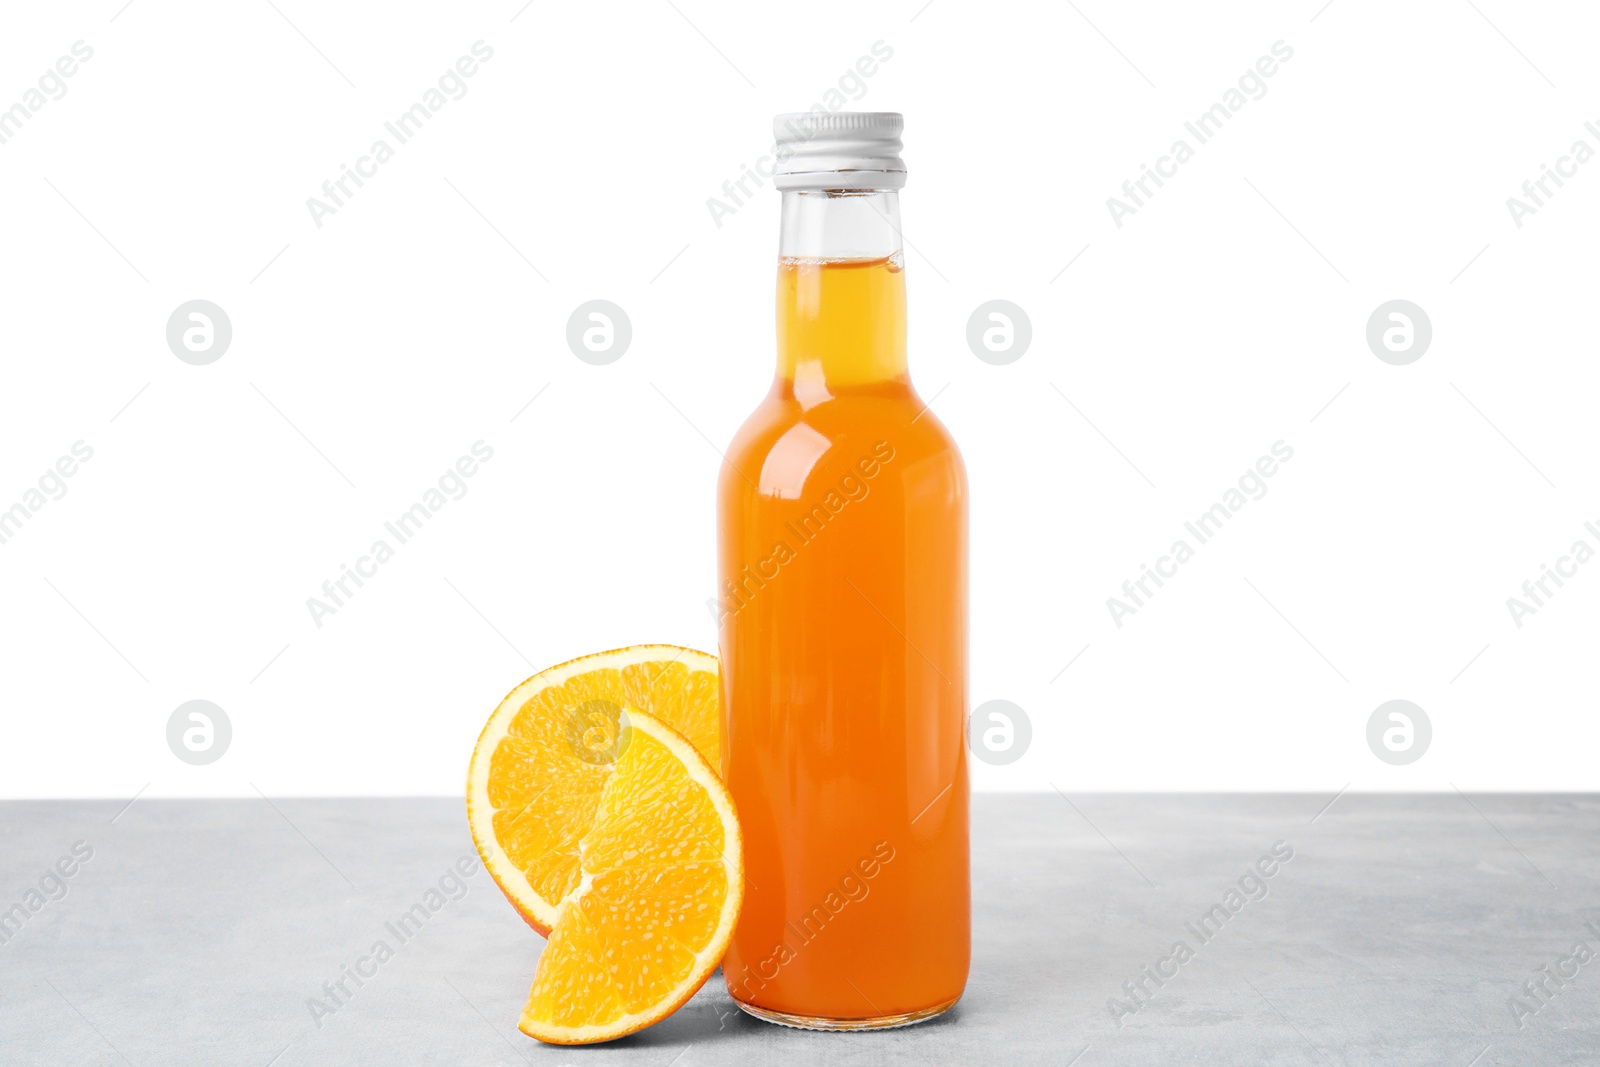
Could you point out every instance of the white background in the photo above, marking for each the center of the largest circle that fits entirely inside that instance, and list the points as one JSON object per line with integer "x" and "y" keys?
{"x": 422, "y": 316}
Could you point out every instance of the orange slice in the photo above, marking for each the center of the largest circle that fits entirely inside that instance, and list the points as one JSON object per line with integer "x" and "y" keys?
{"x": 662, "y": 881}
{"x": 549, "y": 748}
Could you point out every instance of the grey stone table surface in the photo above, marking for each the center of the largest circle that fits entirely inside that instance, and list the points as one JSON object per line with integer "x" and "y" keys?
{"x": 1404, "y": 929}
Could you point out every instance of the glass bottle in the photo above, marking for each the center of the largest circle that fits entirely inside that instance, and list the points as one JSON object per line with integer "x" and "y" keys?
{"x": 842, "y": 622}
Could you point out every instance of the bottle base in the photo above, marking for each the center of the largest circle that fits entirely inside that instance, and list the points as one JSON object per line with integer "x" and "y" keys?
{"x": 819, "y": 1022}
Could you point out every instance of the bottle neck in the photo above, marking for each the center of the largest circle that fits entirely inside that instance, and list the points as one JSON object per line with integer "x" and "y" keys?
{"x": 841, "y": 293}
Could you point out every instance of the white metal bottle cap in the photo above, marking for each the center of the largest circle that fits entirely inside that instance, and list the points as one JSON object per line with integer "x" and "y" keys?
{"x": 839, "y": 150}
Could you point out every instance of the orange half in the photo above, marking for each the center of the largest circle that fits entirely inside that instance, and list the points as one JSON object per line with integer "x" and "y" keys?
{"x": 549, "y": 749}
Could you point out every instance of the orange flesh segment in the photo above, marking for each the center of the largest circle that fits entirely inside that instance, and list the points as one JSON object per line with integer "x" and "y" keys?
{"x": 661, "y": 884}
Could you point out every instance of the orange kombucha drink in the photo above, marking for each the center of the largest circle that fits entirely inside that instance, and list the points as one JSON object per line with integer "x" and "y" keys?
{"x": 842, "y": 612}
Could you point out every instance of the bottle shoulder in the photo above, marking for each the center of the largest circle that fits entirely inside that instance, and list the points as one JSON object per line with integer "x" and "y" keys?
{"x": 784, "y": 447}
